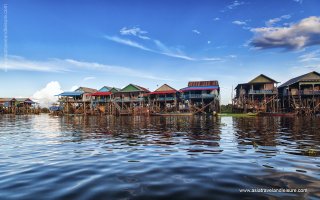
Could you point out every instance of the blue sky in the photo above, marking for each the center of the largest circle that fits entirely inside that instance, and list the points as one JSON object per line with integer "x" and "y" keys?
{"x": 114, "y": 43}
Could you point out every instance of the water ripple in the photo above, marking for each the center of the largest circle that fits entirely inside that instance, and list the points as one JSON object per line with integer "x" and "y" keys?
{"x": 157, "y": 157}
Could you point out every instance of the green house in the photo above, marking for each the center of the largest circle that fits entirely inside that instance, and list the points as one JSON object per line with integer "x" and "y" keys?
{"x": 131, "y": 93}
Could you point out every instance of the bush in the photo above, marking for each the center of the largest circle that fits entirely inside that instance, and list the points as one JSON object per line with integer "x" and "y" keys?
{"x": 226, "y": 108}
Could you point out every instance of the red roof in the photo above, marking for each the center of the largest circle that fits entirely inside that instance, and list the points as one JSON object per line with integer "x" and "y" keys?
{"x": 163, "y": 92}
{"x": 101, "y": 94}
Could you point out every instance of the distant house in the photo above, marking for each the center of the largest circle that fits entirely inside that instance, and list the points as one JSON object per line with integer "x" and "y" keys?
{"x": 131, "y": 94}
{"x": 7, "y": 102}
{"x": 301, "y": 94}
{"x": 259, "y": 94}
{"x": 17, "y": 106}
{"x": 86, "y": 93}
{"x": 163, "y": 99}
{"x": 129, "y": 99}
{"x": 201, "y": 97}
{"x": 76, "y": 101}
{"x": 102, "y": 96}
{"x": 102, "y": 99}
{"x": 24, "y": 102}
{"x": 82, "y": 94}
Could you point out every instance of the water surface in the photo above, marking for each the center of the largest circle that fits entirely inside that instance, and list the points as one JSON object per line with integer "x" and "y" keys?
{"x": 45, "y": 157}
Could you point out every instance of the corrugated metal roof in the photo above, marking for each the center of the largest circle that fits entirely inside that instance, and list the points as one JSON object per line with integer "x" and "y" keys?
{"x": 86, "y": 90}
{"x": 142, "y": 88}
{"x": 134, "y": 88}
{"x": 262, "y": 79}
{"x": 70, "y": 94}
{"x": 101, "y": 94}
{"x": 202, "y": 83}
{"x": 114, "y": 90}
{"x": 165, "y": 87}
{"x": 7, "y": 99}
{"x": 23, "y": 99}
{"x": 301, "y": 78}
{"x": 241, "y": 84}
{"x": 105, "y": 89}
{"x": 259, "y": 79}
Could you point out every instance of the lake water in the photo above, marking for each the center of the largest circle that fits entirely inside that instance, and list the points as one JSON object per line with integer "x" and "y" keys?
{"x": 45, "y": 157}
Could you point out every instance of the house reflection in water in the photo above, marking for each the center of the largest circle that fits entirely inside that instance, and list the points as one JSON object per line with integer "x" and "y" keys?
{"x": 190, "y": 133}
{"x": 271, "y": 135}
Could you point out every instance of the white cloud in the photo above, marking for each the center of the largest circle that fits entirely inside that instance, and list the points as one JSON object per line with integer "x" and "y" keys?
{"x": 216, "y": 19}
{"x": 163, "y": 49}
{"x": 237, "y": 22}
{"x": 159, "y": 48}
{"x": 298, "y": 1}
{"x": 112, "y": 68}
{"x": 246, "y": 27}
{"x": 232, "y": 56}
{"x": 46, "y": 96}
{"x": 303, "y": 69}
{"x": 127, "y": 42}
{"x": 212, "y": 59}
{"x": 135, "y": 31}
{"x": 297, "y": 36}
{"x": 196, "y": 31}
{"x": 22, "y": 64}
{"x": 70, "y": 65}
{"x": 312, "y": 56}
{"x": 209, "y": 42}
{"x": 89, "y": 78}
{"x": 235, "y": 4}
{"x": 176, "y": 53}
{"x": 271, "y": 22}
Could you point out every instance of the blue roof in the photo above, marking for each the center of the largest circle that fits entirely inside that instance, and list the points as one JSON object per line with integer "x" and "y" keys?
{"x": 200, "y": 88}
{"x": 70, "y": 94}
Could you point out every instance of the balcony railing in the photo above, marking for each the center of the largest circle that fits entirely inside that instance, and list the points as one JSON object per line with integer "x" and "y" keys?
{"x": 262, "y": 92}
{"x": 309, "y": 92}
{"x": 101, "y": 100}
{"x": 73, "y": 100}
{"x": 127, "y": 99}
{"x": 164, "y": 99}
{"x": 199, "y": 96}
{"x": 302, "y": 92}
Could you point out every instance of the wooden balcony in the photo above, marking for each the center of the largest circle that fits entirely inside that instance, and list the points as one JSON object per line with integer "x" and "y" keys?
{"x": 199, "y": 96}
{"x": 263, "y": 92}
{"x": 128, "y": 99}
{"x": 164, "y": 99}
{"x": 302, "y": 92}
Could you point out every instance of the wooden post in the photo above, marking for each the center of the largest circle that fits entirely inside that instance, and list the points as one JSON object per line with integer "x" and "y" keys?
{"x": 289, "y": 93}
{"x": 67, "y": 105}
{"x": 313, "y": 96}
{"x": 84, "y": 107}
{"x": 175, "y": 102}
{"x": 165, "y": 103}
